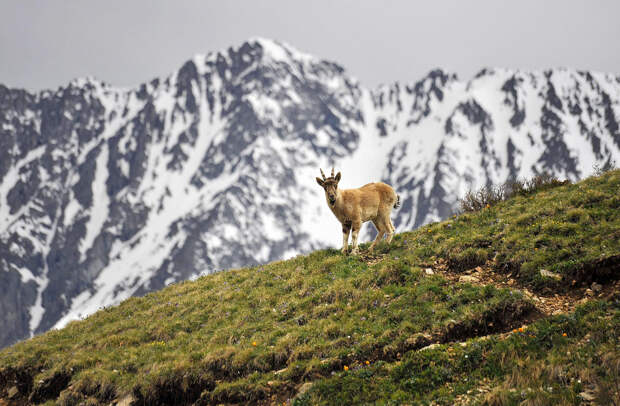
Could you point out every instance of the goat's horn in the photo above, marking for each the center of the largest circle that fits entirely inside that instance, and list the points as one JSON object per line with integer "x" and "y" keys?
{"x": 322, "y": 174}
{"x": 332, "y": 171}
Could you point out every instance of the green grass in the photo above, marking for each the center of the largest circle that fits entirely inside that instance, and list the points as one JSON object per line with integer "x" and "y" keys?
{"x": 255, "y": 335}
{"x": 570, "y": 230}
{"x": 539, "y": 365}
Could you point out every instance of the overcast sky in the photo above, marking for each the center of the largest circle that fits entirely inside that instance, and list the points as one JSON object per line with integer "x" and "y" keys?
{"x": 45, "y": 44}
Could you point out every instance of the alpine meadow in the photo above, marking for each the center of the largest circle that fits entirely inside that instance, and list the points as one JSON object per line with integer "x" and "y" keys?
{"x": 516, "y": 302}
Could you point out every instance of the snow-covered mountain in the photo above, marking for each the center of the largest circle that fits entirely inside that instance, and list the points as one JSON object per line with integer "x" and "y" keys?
{"x": 107, "y": 193}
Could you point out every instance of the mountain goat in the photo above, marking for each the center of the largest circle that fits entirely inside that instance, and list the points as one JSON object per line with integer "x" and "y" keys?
{"x": 352, "y": 207}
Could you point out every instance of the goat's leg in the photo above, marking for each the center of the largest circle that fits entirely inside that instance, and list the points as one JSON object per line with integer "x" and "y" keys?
{"x": 380, "y": 232}
{"x": 346, "y": 228}
{"x": 391, "y": 229}
{"x": 355, "y": 226}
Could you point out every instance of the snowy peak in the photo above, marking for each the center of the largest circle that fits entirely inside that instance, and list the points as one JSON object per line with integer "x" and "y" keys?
{"x": 279, "y": 51}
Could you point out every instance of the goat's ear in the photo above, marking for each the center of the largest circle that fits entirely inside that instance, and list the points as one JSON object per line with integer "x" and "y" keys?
{"x": 338, "y": 176}
{"x": 320, "y": 182}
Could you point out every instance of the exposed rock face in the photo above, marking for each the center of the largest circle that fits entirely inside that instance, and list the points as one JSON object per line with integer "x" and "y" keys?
{"x": 107, "y": 193}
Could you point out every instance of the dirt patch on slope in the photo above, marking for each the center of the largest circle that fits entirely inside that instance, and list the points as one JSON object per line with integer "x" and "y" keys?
{"x": 547, "y": 302}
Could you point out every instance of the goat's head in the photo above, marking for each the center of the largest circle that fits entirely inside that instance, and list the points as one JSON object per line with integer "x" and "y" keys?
{"x": 330, "y": 185}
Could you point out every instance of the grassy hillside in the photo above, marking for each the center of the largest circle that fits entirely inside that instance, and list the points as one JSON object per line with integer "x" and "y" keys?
{"x": 456, "y": 312}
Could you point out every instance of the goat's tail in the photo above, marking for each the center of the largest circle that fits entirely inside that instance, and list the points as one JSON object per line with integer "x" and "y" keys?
{"x": 397, "y": 204}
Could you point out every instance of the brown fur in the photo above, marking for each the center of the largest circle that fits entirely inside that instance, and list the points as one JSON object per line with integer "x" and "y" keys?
{"x": 353, "y": 207}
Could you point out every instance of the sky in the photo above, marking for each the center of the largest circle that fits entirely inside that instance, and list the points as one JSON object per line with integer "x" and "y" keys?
{"x": 46, "y": 44}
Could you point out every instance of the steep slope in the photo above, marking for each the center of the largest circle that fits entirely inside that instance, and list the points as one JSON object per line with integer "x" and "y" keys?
{"x": 379, "y": 327}
{"x": 107, "y": 193}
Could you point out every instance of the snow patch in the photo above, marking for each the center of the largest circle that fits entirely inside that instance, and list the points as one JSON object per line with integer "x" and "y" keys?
{"x": 25, "y": 274}
{"x": 98, "y": 212}
{"x": 71, "y": 210}
{"x": 124, "y": 167}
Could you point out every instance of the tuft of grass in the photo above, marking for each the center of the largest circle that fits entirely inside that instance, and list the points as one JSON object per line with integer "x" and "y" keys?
{"x": 259, "y": 335}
